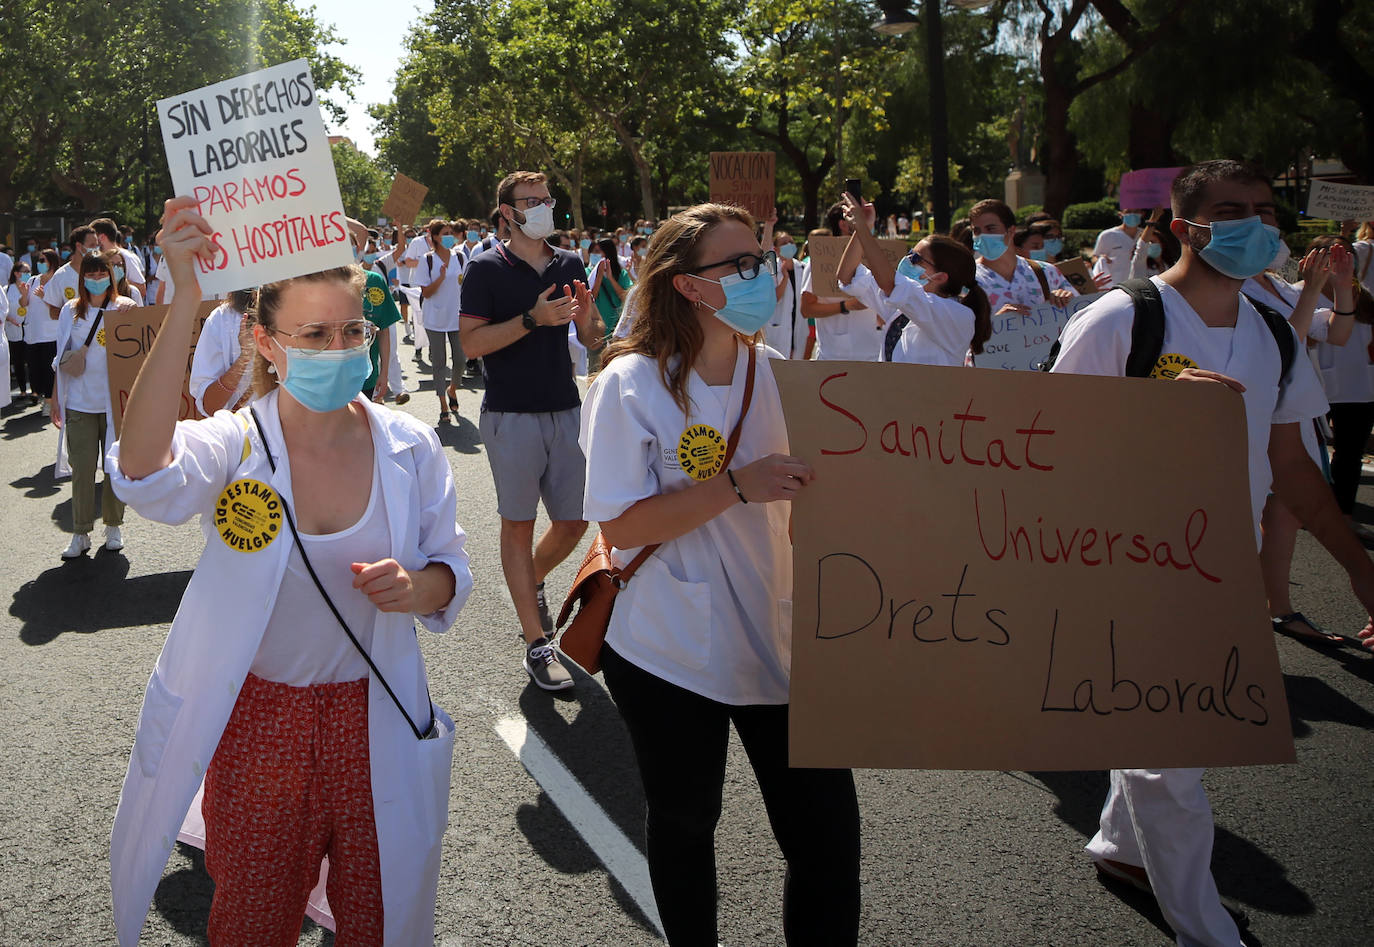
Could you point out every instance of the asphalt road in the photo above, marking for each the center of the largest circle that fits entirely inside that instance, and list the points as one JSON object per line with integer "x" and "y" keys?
{"x": 950, "y": 858}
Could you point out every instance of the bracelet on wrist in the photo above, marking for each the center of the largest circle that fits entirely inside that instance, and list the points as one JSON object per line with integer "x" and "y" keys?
{"x": 731, "y": 475}
{"x": 1337, "y": 312}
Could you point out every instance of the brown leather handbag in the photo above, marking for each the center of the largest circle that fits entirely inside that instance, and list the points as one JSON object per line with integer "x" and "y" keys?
{"x": 598, "y": 582}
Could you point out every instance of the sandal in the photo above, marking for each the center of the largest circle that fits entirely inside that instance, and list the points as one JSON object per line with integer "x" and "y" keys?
{"x": 452, "y": 400}
{"x": 444, "y": 417}
{"x": 1307, "y": 632}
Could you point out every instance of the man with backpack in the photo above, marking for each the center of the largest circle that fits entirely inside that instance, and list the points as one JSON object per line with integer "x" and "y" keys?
{"x": 1192, "y": 323}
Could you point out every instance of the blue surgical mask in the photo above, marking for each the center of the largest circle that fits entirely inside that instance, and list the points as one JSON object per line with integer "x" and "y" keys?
{"x": 1240, "y": 249}
{"x": 66, "y": 254}
{"x": 118, "y": 274}
{"x": 990, "y": 246}
{"x": 787, "y": 251}
{"x": 908, "y": 268}
{"x": 1054, "y": 246}
{"x": 1040, "y": 256}
{"x": 1153, "y": 250}
{"x": 97, "y": 287}
{"x": 325, "y": 381}
{"x": 370, "y": 257}
{"x": 584, "y": 244}
{"x": 1131, "y": 220}
{"x": 473, "y": 236}
{"x": 42, "y": 267}
{"x": 449, "y": 241}
{"x": 749, "y": 303}
{"x": 157, "y": 251}
{"x": 31, "y": 248}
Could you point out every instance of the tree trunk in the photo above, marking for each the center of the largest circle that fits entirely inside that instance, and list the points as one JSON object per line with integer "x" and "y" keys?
{"x": 1062, "y": 156}
{"x": 636, "y": 153}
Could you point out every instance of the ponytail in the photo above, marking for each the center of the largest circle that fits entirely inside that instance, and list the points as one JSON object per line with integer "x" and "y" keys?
{"x": 955, "y": 260}
{"x": 977, "y": 300}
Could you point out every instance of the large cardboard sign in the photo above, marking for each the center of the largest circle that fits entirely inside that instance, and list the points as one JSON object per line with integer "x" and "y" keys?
{"x": 129, "y": 335}
{"x": 1006, "y": 570}
{"x": 253, "y": 151}
{"x": 1330, "y": 201}
{"x": 745, "y": 179}
{"x": 825, "y": 260}
{"x": 1146, "y": 188}
{"x": 1075, "y": 270}
{"x": 1023, "y": 341}
{"x": 405, "y": 200}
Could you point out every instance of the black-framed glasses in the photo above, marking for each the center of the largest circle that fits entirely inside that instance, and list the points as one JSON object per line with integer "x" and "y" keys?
{"x": 528, "y": 203}
{"x": 318, "y": 336}
{"x": 747, "y": 265}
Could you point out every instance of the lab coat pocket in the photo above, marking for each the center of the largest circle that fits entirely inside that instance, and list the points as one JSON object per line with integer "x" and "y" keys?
{"x": 670, "y": 616}
{"x": 434, "y": 769}
{"x": 155, "y": 721}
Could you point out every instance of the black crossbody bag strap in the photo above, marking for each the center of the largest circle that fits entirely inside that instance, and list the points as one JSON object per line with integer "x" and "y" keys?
{"x": 100, "y": 314}
{"x": 290, "y": 521}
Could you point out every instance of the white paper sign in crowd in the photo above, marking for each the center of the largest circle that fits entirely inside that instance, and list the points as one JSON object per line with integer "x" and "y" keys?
{"x": 1331, "y": 201}
{"x": 1022, "y": 341}
{"x": 253, "y": 151}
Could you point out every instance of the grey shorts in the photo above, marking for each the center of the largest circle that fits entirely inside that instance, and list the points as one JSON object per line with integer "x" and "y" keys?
{"x": 533, "y": 457}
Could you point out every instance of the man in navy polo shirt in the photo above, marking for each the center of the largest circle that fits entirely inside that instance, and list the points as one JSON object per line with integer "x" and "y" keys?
{"x": 518, "y": 299}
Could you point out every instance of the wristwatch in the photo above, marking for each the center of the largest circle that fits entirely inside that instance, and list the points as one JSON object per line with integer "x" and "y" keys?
{"x": 527, "y": 320}
{"x": 843, "y": 308}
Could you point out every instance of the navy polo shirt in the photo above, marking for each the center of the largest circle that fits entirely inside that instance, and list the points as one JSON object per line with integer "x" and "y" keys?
{"x": 533, "y": 373}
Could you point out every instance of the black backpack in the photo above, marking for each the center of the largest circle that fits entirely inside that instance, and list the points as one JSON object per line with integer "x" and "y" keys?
{"x": 1147, "y": 331}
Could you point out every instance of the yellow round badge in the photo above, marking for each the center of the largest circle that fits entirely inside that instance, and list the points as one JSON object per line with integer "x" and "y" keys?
{"x": 701, "y": 450}
{"x": 69, "y": 293}
{"x": 248, "y": 515}
{"x": 376, "y": 295}
{"x": 1170, "y": 364}
{"x": 100, "y": 337}
{"x": 23, "y": 311}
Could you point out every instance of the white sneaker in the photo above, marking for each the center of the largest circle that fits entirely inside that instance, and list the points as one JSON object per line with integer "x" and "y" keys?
{"x": 78, "y": 546}
{"x": 47, "y": 408}
{"x": 114, "y": 539}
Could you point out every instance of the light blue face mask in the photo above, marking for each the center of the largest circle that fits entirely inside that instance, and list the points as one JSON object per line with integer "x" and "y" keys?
{"x": 325, "y": 381}
{"x": 787, "y": 251}
{"x": 990, "y": 246}
{"x": 1154, "y": 250}
{"x": 1040, "y": 256}
{"x": 449, "y": 241}
{"x": 42, "y": 268}
{"x": 66, "y": 254}
{"x": 1054, "y": 246}
{"x": 370, "y": 257}
{"x": 912, "y": 271}
{"x": 97, "y": 287}
{"x": 584, "y": 244}
{"x": 1240, "y": 249}
{"x": 118, "y": 274}
{"x": 1131, "y": 220}
{"x": 749, "y": 303}
{"x": 473, "y": 236}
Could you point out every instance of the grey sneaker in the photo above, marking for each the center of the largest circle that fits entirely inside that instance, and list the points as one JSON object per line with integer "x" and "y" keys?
{"x": 545, "y": 619}
{"x": 541, "y": 662}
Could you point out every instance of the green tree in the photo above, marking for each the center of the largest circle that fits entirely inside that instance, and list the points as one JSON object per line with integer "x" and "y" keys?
{"x": 363, "y": 182}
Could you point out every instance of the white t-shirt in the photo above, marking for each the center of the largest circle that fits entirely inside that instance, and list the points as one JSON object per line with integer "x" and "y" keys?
{"x": 940, "y": 329}
{"x": 61, "y": 289}
{"x": 303, "y": 643}
{"x": 1284, "y": 301}
{"x": 787, "y": 330}
{"x": 415, "y": 250}
{"x": 1346, "y": 372}
{"x": 1118, "y": 246}
{"x": 1023, "y": 289}
{"x": 39, "y": 325}
{"x": 13, "y": 332}
{"x": 1097, "y": 341}
{"x": 216, "y": 350}
{"x": 1364, "y": 263}
{"x": 710, "y": 611}
{"x": 441, "y": 310}
{"x": 853, "y": 336}
{"x": 6, "y": 265}
{"x": 90, "y": 391}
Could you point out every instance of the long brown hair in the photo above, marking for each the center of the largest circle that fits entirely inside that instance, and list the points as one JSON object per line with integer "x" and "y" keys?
{"x": 90, "y": 264}
{"x": 267, "y": 300}
{"x": 665, "y": 322}
{"x": 956, "y": 261}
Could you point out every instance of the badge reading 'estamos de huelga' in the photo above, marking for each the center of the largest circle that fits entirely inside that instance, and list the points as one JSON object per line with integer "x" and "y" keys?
{"x": 701, "y": 451}
{"x": 248, "y": 515}
{"x": 1170, "y": 364}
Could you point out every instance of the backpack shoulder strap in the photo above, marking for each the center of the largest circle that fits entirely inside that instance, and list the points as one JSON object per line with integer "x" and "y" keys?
{"x": 1147, "y": 328}
{"x": 1039, "y": 269}
{"x": 1283, "y": 335}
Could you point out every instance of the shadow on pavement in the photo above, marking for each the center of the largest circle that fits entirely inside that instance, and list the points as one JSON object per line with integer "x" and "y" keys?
{"x": 39, "y": 486}
{"x": 94, "y": 593}
{"x": 461, "y": 435}
{"x": 20, "y": 422}
{"x": 1244, "y": 872}
{"x": 1311, "y": 699}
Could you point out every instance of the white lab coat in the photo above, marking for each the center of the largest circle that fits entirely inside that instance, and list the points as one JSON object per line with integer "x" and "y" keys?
{"x": 215, "y": 635}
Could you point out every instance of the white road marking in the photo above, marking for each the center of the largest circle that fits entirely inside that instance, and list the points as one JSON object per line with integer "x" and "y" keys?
{"x": 605, "y": 839}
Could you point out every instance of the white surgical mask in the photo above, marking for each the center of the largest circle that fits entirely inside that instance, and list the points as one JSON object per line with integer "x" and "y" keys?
{"x": 1281, "y": 258}
{"x": 538, "y": 222}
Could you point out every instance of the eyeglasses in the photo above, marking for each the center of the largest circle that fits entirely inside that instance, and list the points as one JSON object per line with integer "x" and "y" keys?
{"x": 530, "y": 202}
{"x": 747, "y": 265}
{"x": 919, "y": 260}
{"x": 319, "y": 336}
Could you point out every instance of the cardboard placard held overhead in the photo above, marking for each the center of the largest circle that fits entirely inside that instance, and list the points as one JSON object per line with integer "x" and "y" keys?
{"x": 1075, "y": 270}
{"x": 825, "y": 260}
{"x": 129, "y": 335}
{"x": 1146, "y": 188}
{"x": 405, "y": 200}
{"x": 1023, "y": 340}
{"x": 1330, "y": 201}
{"x": 1021, "y": 571}
{"x": 253, "y": 151}
{"x": 745, "y": 179}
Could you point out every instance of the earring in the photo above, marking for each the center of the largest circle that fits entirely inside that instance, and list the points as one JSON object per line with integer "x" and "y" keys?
{"x": 271, "y": 368}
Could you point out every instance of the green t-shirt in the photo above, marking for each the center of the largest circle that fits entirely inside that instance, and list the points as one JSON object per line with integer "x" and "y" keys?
{"x": 380, "y": 310}
{"x": 608, "y": 303}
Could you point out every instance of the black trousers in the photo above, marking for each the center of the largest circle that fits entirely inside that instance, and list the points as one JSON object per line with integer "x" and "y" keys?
{"x": 19, "y": 366}
{"x": 680, "y": 740}
{"x": 40, "y": 356}
{"x": 1351, "y": 424}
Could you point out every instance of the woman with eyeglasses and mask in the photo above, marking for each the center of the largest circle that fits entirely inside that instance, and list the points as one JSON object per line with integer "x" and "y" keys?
{"x": 935, "y": 311}
{"x": 82, "y": 411}
{"x": 700, "y": 636}
{"x": 291, "y": 679}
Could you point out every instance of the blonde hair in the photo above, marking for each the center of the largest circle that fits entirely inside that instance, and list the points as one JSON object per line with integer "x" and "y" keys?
{"x": 665, "y": 323}
{"x": 267, "y": 302}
